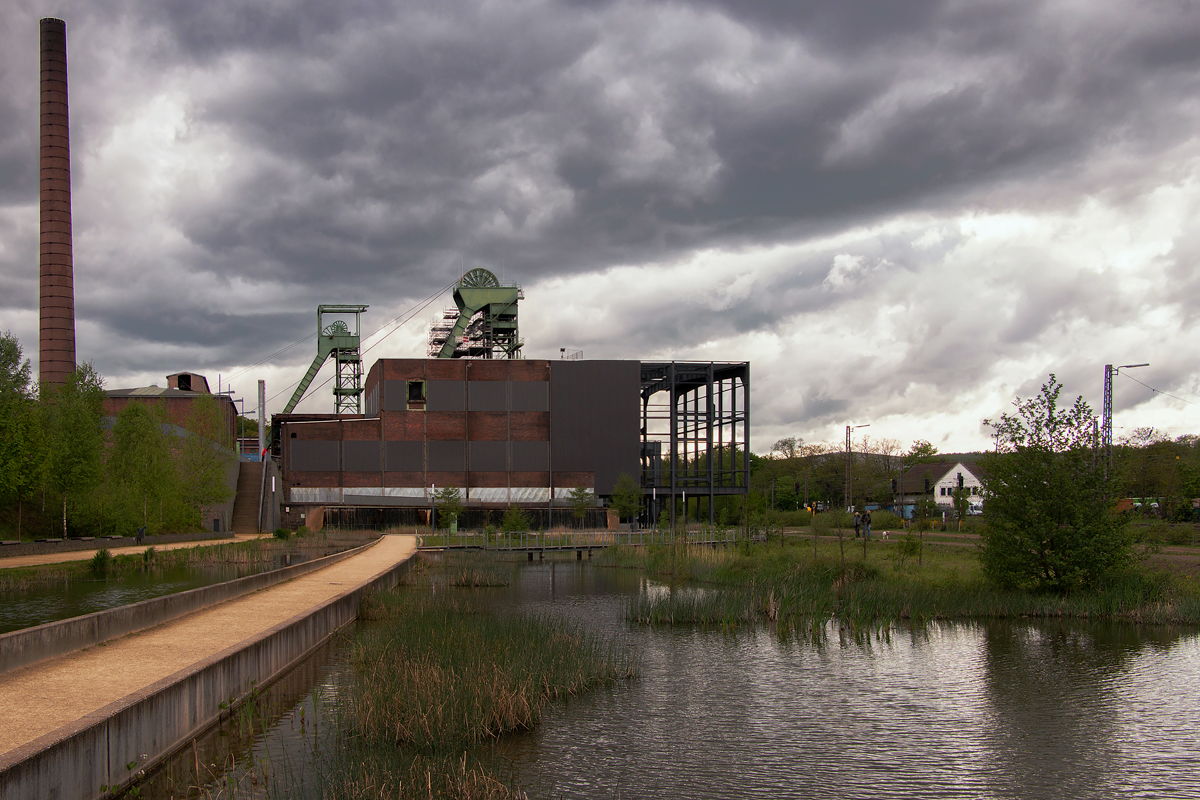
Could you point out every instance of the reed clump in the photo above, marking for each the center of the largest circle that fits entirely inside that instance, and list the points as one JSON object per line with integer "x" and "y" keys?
{"x": 472, "y": 577}
{"x": 442, "y": 675}
{"x": 436, "y": 676}
{"x": 471, "y": 570}
{"x": 389, "y": 774}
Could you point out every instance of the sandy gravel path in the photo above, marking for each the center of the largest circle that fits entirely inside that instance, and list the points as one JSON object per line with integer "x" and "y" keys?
{"x": 85, "y": 555}
{"x": 43, "y": 697}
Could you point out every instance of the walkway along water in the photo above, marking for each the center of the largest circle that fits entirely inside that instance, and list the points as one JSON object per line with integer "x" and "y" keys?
{"x": 86, "y": 723}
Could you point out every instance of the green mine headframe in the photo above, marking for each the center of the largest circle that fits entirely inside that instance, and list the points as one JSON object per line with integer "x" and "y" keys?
{"x": 338, "y": 342}
{"x": 486, "y": 326}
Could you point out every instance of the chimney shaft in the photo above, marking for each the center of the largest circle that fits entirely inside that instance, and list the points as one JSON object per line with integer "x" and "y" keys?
{"x": 56, "y": 343}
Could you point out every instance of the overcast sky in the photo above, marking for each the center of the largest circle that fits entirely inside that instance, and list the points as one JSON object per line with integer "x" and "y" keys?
{"x": 902, "y": 214}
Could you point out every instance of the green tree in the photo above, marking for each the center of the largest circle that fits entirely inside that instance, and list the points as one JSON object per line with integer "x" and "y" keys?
{"x": 74, "y": 435}
{"x": 205, "y": 458}
{"x": 1049, "y": 521}
{"x": 22, "y": 439}
{"x": 789, "y": 447}
{"x": 627, "y": 496}
{"x": 140, "y": 463}
{"x": 580, "y": 500}
{"x": 448, "y": 501}
{"x": 247, "y": 426}
{"x": 15, "y": 373}
{"x": 921, "y": 452}
{"x": 514, "y": 520}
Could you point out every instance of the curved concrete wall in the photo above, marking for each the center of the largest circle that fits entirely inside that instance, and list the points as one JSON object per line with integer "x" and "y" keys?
{"x": 103, "y": 753}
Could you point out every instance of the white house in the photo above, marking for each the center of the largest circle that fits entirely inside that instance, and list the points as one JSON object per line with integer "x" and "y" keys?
{"x": 938, "y": 481}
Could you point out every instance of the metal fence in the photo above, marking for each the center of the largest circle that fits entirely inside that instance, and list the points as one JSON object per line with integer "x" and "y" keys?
{"x": 579, "y": 539}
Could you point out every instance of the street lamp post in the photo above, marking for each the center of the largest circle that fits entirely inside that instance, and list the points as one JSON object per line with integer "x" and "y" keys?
{"x": 849, "y": 469}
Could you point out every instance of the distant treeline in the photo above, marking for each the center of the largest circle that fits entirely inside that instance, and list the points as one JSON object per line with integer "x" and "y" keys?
{"x": 1146, "y": 464}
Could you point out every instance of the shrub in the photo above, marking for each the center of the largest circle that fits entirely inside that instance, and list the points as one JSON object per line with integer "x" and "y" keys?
{"x": 1049, "y": 524}
{"x": 101, "y": 562}
{"x": 884, "y": 521}
{"x": 791, "y": 519}
{"x": 1181, "y": 534}
{"x": 627, "y": 496}
{"x": 514, "y": 520}
{"x": 283, "y": 533}
{"x": 906, "y": 548}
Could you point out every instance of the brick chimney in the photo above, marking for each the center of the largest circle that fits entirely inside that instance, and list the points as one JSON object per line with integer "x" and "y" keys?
{"x": 56, "y": 343}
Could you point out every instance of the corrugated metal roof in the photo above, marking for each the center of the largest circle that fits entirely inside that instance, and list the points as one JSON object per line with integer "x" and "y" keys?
{"x": 155, "y": 391}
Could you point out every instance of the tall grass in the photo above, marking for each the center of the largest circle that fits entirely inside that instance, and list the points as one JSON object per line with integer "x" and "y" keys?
{"x": 441, "y": 674}
{"x": 795, "y": 590}
{"x": 437, "y": 676}
{"x": 396, "y": 774}
{"x": 466, "y": 569}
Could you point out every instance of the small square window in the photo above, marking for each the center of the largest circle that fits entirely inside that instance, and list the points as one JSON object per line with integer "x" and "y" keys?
{"x": 416, "y": 395}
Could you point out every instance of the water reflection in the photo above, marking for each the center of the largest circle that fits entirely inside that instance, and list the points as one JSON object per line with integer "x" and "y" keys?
{"x": 1087, "y": 711}
{"x": 988, "y": 710}
{"x": 995, "y": 710}
{"x": 49, "y": 602}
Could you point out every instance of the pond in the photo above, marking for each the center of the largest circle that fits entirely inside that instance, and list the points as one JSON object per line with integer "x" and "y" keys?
{"x": 53, "y": 601}
{"x": 996, "y": 709}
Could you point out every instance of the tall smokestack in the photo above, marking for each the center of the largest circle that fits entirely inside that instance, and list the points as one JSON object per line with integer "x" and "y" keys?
{"x": 56, "y": 345}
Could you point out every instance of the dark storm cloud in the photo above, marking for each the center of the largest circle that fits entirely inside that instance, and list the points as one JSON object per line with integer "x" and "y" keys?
{"x": 291, "y": 153}
{"x": 410, "y": 111}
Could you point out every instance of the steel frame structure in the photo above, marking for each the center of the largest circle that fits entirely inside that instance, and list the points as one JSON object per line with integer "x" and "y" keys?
{"x": 337, "y": 341}
{"x": 485, "y": 323}
{"x": 704, "y": 421}
{"x": 1106, "y": 422}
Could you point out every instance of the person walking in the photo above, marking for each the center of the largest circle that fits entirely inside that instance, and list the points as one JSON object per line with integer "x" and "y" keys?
{"x": 867, "y": 523}
{"x": 857, "y": 523}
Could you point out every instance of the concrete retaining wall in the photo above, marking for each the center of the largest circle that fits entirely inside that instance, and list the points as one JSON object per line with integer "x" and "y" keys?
{"x": 103, "y": 753}
{"x": 55, "y": 638}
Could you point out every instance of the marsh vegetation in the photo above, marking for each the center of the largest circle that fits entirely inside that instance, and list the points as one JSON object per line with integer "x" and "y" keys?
{"x": 802, "y": 584}
{"x": 435, "y": 675}
{"x": 439, "y": 674}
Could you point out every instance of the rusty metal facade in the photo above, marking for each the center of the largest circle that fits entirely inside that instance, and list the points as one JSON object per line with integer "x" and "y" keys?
{"x": 503, "y": 431}
{"x": 56, "y": 343}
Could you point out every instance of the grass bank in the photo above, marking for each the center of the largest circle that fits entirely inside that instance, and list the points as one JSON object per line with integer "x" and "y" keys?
{"x": 258, "y": 552}
{"x": 801, "y": 585}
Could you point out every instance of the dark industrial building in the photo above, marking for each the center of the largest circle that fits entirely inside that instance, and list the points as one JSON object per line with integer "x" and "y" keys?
{"x": 511, "y": 432}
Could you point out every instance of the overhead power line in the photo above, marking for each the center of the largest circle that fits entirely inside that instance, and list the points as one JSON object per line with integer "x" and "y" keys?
{"x": 278, "y": 352}
{"x": 1159, "y": 391}
{"x": 398, "y": 322}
